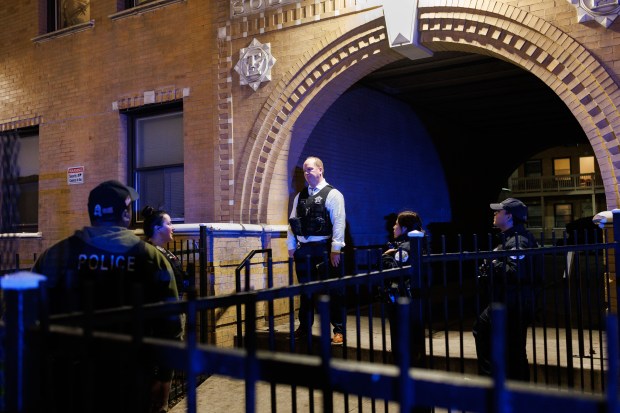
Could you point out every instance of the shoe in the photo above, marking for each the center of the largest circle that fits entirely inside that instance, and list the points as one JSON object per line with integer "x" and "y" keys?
{"x": 299, "y": 334}
{"x": 338, "y": 339}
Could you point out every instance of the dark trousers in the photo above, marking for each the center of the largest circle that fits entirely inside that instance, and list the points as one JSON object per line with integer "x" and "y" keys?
{"x": 417, "y": 346}
{"x": 307, "y": 257}
{"x": 517, "y": 323}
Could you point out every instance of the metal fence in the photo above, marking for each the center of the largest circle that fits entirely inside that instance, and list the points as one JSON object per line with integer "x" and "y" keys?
{"x": 572, "y": 346}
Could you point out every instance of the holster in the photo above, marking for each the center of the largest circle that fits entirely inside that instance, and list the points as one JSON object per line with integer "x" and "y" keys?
{"x": 295, "y": 226}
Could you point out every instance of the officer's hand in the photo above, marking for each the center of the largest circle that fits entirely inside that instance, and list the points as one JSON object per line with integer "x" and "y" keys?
{"x": 335, "y": 258}
{"x": 291, "y": 253}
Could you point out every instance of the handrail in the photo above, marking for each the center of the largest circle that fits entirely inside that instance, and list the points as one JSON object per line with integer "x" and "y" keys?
{"x": 246, "y": 264}
{"x": 557, "y": 183}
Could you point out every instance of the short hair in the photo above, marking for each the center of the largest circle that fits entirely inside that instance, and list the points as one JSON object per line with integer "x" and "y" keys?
{"x": 410, "y": 220}
{"x": 316, "y": 160}
{"x": 152, "y": 218}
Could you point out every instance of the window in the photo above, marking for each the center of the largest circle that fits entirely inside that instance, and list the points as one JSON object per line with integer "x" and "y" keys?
{"x": 20, "y": 180}
{"x": 586, "y": 165}
{"x": 67, "y": 13}
{"x": 133, "y": 3}
{"x": 126, "y": 8}
{"x": 561, "y": 166}
{"x": 586, "y": 170}
{"x": 533, "y": 168}
{"x": 563, "y": 214}
{"x": 534, "y": 215}
{"x": 157, "y": 160}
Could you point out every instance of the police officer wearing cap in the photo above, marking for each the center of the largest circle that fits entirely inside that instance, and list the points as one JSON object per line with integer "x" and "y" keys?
{"x": 316, "y": 232}
{"x": 99, "y": 267}
{"x": 513, "y": 282}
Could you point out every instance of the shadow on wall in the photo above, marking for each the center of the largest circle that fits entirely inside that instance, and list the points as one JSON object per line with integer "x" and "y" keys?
{"x": 378, "y": 154}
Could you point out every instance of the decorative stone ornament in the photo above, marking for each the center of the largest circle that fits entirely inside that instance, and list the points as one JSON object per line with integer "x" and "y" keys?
{"x": 255, "y": 63}
{"x": 603, "y": 12}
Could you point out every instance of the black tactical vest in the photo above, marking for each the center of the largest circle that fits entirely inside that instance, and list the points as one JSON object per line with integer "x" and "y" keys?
{"x": 313, "y": 214}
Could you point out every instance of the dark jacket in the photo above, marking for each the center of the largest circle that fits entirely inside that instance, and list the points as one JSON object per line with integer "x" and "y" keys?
{"x": 101, "y": 267}
{"x": 180, "y": 275}
{"x": 113, "y": 260}
{"x": 396, "y": 287}
{"x": 518, "y": 274}
{"x": 401, "y": 257}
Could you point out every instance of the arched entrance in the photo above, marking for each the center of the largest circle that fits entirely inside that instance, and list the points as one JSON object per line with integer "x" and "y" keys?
{"x": 495, "y": 29}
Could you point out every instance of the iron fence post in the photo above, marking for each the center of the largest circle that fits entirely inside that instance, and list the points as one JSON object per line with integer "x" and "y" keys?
{"x": 612, "y": 369}
{"x": 203, "y": 274}
{"x": 498, "y": 354}
{"x": 251, "y": 361}
{"x": 406, "y": 386}
{"x": 418, "y": 294}
{"x": 21, "y": 292}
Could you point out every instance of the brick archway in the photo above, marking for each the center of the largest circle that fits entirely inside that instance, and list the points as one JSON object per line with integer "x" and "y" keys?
{"x": 493, "y": 29}
{"x": 343, "y": 59}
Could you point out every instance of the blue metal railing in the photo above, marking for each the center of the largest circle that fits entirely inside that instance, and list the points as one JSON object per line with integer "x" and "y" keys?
{"x": 576, "y": 298}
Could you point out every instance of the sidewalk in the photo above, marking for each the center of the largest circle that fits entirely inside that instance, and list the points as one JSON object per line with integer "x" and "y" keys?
{"x": 222, "y": 394}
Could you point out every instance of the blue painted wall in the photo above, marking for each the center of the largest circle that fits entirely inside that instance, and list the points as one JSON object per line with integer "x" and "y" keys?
{"x": 378, "y": 154}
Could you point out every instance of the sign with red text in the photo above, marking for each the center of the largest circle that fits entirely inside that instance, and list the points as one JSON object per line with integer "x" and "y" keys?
{"x": 75, "y": 175}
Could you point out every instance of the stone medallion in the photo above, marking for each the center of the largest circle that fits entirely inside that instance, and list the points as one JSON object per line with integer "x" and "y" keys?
{"x": 255, "y": 63}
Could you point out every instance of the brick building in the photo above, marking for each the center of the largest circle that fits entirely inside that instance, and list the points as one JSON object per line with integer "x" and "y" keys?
{"x": 147, "y": 92}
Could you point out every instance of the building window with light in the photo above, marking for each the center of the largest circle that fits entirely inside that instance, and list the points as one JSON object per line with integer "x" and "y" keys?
{"x": 587, "y": 170}
{"x": 63, "y": 14}
{"x": 561, "y": 166}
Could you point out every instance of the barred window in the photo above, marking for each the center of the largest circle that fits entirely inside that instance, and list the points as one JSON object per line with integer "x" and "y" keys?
{"x": 19, "y": 151}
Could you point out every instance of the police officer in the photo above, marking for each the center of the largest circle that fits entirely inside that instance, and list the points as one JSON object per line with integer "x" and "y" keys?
{"x": 317, "y": 226}
{"x": 397, "y": 255}
{"x": 514, "y": 283}
{"x": 100, "y": 266}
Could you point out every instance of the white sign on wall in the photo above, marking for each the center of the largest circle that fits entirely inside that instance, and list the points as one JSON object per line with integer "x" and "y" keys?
{"x": 75, "y": 175}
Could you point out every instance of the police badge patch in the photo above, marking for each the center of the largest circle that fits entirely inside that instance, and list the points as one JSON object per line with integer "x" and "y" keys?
{"x": 401, "y": 256}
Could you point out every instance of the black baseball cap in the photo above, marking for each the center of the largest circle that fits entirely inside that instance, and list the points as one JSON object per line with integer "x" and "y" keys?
{"x": 513, "y": 206}
{"x": 109, "y": 199}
